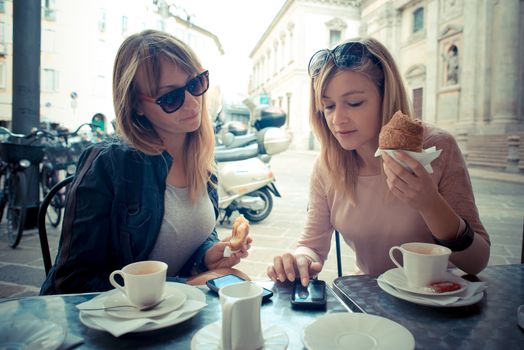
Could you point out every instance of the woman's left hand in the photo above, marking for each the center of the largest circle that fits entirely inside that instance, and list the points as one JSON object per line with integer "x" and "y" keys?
{"x": 415, "y": 188}
{"x": 215, "y": 259}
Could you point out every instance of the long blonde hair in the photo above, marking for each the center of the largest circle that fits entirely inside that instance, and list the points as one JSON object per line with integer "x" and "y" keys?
{"x": 343, "y": 166}
{"x": 144, "y": 50}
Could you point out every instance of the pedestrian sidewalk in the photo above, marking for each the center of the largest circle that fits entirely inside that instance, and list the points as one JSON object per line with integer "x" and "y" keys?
{"x": 499, "y": 197}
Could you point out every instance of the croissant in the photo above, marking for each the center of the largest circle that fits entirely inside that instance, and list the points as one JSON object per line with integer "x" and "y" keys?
{"x": 402, "y": 132}
{"x": 239, "y": 234}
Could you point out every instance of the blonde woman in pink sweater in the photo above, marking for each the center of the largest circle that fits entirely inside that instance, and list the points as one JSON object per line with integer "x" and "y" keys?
{"x": 372, "y": 201}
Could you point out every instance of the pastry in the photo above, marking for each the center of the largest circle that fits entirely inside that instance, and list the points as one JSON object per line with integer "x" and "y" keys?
{"x": 239, "y": 234}
{"x": 402, "y": 132}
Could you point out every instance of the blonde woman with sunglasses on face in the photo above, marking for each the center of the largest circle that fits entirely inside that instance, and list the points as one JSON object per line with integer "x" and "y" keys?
{"x": 169, "y": 214}
{"x": 373, "y": 201}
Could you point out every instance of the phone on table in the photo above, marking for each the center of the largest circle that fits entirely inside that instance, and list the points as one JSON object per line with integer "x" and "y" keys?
{"x": 216, "y": 283}
{"x": 311, "y": 297}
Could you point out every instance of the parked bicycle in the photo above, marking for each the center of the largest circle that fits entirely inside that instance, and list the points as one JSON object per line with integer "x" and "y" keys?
{"x": 19, "y": 158}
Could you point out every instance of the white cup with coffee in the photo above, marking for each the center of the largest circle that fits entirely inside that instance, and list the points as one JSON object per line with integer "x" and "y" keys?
{"x": 144, "y": 282}
{"x": 241, "y": 325}
{"x": 423, "y": 263}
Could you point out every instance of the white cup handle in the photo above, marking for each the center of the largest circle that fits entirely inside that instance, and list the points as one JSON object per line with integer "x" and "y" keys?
{"x": 391, "y": 250}
{"x": 115, "y": 283}
{"x": 227, "y": 309}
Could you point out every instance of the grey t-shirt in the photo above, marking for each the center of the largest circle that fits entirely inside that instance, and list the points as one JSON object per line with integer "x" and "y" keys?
{"x": 184, "y": 228}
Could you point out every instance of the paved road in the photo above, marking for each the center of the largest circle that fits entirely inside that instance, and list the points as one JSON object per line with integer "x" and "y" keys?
{"x": 500, "y": 203}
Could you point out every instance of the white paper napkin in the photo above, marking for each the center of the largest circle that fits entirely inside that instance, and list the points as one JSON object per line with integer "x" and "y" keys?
{"x": 472, "y": 289}
{"x": 228, "y": 252}
{"x": 119, "y": 326}
{"x": 425, "y": 157}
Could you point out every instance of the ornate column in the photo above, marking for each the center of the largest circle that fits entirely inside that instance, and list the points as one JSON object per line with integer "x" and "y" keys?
{"x": 505, "y": 41}
{"x": 469, "y": 66}
{"x": 430, "y": 93}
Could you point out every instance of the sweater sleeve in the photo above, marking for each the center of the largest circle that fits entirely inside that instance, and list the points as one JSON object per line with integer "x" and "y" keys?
{"x": 316, "y": 238}
{"x": 455, "y": 186}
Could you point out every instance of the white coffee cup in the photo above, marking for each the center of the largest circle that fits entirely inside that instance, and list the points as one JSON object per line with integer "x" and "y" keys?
{"x": 241, "y": 325}
{"x": 144, "y": 282}
{"x": 424, "y": 263}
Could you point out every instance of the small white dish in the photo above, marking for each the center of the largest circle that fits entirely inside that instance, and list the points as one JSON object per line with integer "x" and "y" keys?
{"x": 424, "y": 300}
{"x": 208, "y": 337}
{"x": 340, "y": 331}
{"x": 31, "y": 334}
{"x": 520, "y": 316}
{"x": 192, "y": 293}
{"x": 397, "y": 279}
{"x": 425, "y": 157}
{"x": 172, "y": 301}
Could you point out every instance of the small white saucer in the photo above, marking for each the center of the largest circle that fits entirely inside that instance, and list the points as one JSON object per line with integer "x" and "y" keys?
{"x": 31, "y": 333}
{"x": 192, "y": 293}
{"x": 520, "y": 316}
{"x": 172, "y": 301}
{"x": 339, "y": 331}
{"x": 208, "y": 338}
{"x": 428, "y": 301}
{"x": 397, "y": 279}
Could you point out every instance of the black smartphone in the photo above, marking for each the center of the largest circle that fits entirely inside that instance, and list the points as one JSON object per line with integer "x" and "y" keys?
{"x": 216, "y": 283}
{"x": 311, "y": 297}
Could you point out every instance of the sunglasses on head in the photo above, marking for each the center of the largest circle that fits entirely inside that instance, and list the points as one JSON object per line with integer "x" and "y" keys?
{"x": 172, "y": 101}
{"x": 345, "y": 55}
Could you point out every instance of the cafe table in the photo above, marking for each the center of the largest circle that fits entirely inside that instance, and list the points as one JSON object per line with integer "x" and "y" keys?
{"x": 489, "y": 324}
{"x": 61, "y": 310}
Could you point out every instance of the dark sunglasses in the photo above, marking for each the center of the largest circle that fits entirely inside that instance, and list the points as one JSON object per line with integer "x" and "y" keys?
{"x": 172, "y": 101}
{"x": 345, "y": 55}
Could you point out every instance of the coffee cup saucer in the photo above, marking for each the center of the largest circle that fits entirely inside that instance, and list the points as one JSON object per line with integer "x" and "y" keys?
{"x": 396, "y": 278}
{"x": 171, "y": 300}
{"x": 345, "y": 330}
{"x": 208, "y": 338}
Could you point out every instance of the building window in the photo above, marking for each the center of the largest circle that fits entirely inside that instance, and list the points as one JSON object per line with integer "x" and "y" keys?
{"x": 49, "y": 10}
{"x": 282, "y": 53}
{"x": 160, "y": 25}
{"x": 417, "y": 102}
{"x": 100, "y": 86}
{"x": 275, "y": 71}
{"x": 3, "y": 47}
{"x": 418, "y": 19}
{"x": 48, "y": 40}
{"x": 2, "y": 32}
{"x": 3, "y": 74}
{"x": 334, "y": 37}
{"x": 50, "y": 80}
{"x": 2, "y": 6}
{"x": 124, "y": 25}
{"x": 102, "y": 21}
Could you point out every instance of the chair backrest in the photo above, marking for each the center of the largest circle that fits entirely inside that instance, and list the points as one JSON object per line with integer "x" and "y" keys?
{"x": 42, "y": 229}
{"x": 339, "y": 258}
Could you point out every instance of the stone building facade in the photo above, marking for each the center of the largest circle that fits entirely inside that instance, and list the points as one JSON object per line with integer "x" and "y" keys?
{"x": 79, "y": 42}
{"x": 281, "y": 56}
{"x": 462, "y": 60}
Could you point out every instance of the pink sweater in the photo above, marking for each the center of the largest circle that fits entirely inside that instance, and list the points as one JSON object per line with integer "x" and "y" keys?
{"x": 379, "y": 222}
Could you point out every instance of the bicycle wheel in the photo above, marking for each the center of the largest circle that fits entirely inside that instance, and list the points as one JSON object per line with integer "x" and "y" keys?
{"x": 3, "y": 195}
{"x": 16, "y": 209}
{"x": 48, "y": 179}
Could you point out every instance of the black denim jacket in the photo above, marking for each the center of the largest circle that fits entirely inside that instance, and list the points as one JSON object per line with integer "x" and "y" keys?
{"x": 115, "y": 219}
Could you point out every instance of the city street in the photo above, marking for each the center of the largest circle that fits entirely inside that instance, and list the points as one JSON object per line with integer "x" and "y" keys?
{"x": 500, "y": 203}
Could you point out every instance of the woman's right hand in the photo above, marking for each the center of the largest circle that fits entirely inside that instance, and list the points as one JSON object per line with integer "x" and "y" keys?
{"x": 288, "y": 266}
